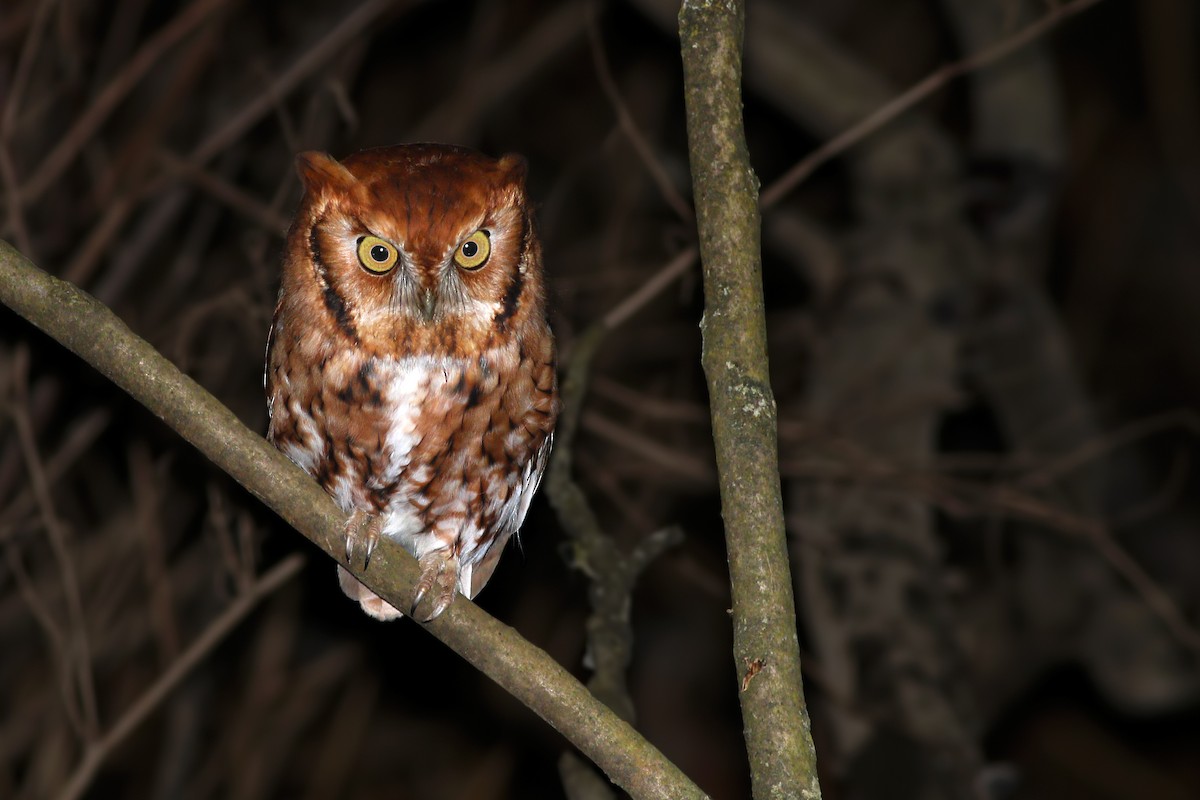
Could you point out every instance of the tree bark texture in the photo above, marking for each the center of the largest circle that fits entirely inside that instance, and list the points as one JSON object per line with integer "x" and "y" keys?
{"x": 766, "y": 651}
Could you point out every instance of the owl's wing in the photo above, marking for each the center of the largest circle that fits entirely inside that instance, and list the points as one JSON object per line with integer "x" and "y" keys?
{"x": 511, "y": 520}
{"x": 267, "y": 382}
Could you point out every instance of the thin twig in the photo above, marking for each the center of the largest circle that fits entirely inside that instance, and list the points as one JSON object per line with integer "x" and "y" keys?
{"x": 611, "y": 573}
{"x": 243, "y": 203}
{"x": 81, "y": 267}
{"x": 340, "y": 35}
{"x": 529, "y": 674}
{"x": 160, "y": 594}
{"x": 33, "y": 40}
{"x": 603, "y": 479}
{"x": 856, "y": 466}
{"x": 53, "y": 633}
{"x": 78, "y": 650}
{"x": 1139, "y": 430}
{"x": 12, "y": 195}
{"x": 87, "y": 123}
{"x": 683, "y": 464}
{"x": 491, "y": 84}
{"x": 213, "y": 635}
{"x": 674, "y": 268}
{"x": 82, "y": 434}
{"x": 892, "y": 109}
{"x": 652, "y": 406}
{"x": 1173, "y": 488}
{"x": 666, "y": 187}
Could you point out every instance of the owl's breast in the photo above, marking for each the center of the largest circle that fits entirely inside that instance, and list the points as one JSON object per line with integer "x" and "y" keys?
{"x": 448, "y": 450}
{"x": 470, "y": 457}
{"x": 330, "y": 416}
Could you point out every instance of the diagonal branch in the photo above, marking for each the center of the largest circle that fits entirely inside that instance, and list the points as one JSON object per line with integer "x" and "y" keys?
{"x": 96, "y": 752}
{"x": 916, "y": 93}
{"x": 89, "y": 329}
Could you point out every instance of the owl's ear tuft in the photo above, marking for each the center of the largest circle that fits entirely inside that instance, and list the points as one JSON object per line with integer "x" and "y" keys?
{"x": 319, "y": 171}
{"x": 515, "y": 166}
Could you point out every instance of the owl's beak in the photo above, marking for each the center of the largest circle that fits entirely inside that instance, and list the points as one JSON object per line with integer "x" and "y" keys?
{"x": 428, "y": 305}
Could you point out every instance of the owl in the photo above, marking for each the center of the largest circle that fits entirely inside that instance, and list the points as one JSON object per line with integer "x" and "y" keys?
{"x": 410, "y": 367}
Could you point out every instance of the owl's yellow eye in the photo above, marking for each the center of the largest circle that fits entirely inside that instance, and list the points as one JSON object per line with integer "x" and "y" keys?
{"x": 376, "y": 255}
{"x": 474, "y": 252}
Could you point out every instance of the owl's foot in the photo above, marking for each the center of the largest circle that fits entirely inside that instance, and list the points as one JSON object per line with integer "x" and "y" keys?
{"x": 439, "y": 579}
{"x": 362, "y": 530}
{"x": 371, "y": 603}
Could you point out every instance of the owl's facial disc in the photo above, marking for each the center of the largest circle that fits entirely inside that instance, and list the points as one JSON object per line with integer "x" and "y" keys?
{"x": 439, "y": 287}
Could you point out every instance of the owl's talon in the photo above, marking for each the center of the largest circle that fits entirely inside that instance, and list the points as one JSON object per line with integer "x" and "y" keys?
{"x": 372, "y": 537}
{"x": 439, "y": 580}
{"x": 362, "y": 527}
{"x": 418, "y": 595}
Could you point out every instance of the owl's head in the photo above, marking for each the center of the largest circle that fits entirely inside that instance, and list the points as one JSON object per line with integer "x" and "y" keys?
{"x": 420, "y": 248}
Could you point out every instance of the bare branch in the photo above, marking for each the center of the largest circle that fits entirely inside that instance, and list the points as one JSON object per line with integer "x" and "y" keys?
{"x": 90, "y": 330}
{"x": 914, "y": 95}
{"x": 95, "y": 755}
{"x": 629, "y": 126}
{"x": 89, "y": 121}
{"x": 766, "y": 650}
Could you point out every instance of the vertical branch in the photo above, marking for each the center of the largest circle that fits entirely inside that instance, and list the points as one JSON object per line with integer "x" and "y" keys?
{"x": 778, "y": 739}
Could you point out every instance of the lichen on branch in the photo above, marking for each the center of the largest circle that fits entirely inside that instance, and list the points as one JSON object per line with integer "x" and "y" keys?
{"x": 766, "y": 650}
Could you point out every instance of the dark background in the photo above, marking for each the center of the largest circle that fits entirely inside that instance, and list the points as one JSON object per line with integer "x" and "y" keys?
{"x": 1032, "y": 440}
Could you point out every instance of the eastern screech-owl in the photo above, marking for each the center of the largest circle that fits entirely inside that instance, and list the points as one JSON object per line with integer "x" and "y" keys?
{"x": 410, "y": 368}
